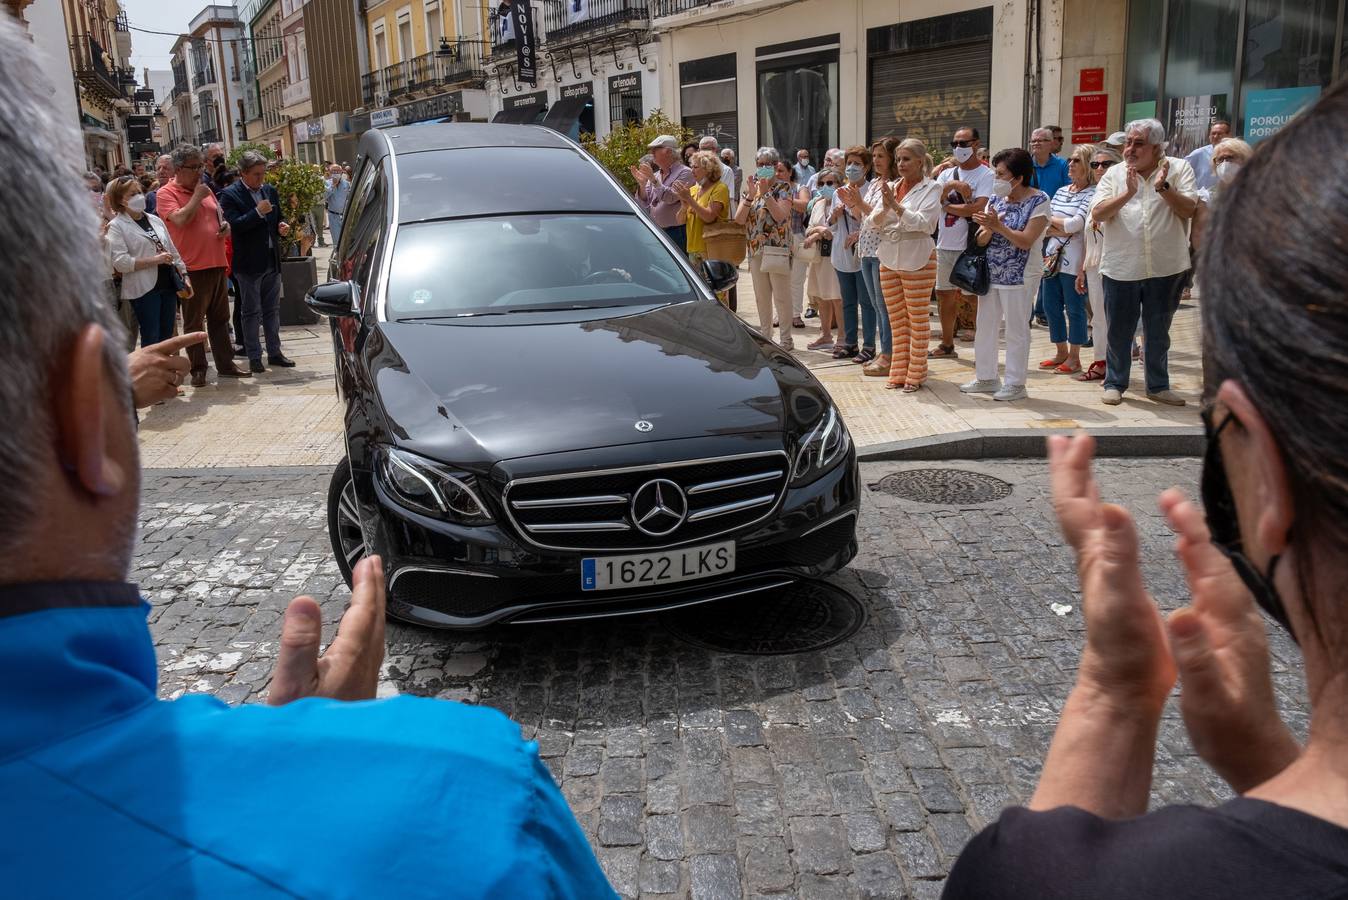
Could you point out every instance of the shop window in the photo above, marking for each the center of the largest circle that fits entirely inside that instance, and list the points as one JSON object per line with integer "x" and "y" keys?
{"x": 1289, "y": 57}
{"x": 707, "y": 98}
{"x": 798, "y": 96}
{"x": 1142, "y": 85}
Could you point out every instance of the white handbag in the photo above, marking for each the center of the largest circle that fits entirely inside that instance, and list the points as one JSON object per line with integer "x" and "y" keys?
{"x": 803, "y": 253}
{"x": 775, "y": 260}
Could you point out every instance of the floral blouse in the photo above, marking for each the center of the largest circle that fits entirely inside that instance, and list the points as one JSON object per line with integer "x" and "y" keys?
{"x": 1006, "y": 261}
{"x": 763, "y": 228}
{"x": 869, "y": 242}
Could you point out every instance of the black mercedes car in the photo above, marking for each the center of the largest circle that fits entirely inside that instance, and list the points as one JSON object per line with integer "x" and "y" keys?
{"x": 548, "y": 415}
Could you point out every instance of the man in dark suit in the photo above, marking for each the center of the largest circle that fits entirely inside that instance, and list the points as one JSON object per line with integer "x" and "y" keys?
{"x": 252, "y": 209}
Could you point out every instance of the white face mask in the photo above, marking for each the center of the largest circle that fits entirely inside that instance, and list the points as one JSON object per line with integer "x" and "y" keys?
{"x": 1227, "y": 169}
{"x": 136, "y": 203}
{"x": 1002, "y": 188}
{"x": 962, "y": 154}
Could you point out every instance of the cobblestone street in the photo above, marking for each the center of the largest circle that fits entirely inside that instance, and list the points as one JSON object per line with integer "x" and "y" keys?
{"x": 856, "y": 771}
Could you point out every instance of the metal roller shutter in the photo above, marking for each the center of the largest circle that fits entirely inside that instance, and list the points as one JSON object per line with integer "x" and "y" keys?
{"x": 927, "y": 94}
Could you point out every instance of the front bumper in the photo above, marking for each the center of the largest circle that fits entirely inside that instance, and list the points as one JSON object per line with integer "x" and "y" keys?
{"x": 448, "y": 576}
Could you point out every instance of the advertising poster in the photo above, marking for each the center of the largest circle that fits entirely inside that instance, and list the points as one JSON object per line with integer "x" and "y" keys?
{"x": 1090, "y": 113}
{"x": 1187, "y": 120}
{"x": 1267, "y": 111}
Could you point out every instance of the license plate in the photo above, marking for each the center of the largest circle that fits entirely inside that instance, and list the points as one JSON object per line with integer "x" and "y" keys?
{"x": 607, "y": 573}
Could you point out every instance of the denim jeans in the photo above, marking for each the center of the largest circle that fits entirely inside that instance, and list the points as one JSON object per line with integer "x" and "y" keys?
{"x": 679, "y": 235}
{"x": 260, "y": 297}
{"x": 1154, "y": 300}
{"x": 870, "y": 271}
{"x": 855, "y": 295}
{"x": 155, "y": 313}
{"x": 1060, "y": 295}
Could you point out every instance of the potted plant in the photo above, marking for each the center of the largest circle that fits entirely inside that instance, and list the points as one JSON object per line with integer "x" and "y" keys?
{"x": 300, "y": 187}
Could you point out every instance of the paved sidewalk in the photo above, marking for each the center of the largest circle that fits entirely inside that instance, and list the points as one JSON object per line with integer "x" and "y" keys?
{"x": 289, "y": 417}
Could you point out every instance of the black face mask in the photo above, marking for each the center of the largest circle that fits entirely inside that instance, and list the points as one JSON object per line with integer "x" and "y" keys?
{"x": 1219, "y": 507}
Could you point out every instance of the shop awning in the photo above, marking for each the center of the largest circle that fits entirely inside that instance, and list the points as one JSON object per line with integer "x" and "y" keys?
{"x": 520, "y": 115}
{"x": 563, "y": 114}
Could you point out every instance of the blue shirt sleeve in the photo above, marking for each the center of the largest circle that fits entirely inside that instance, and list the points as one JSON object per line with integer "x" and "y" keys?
{"x": 566, "y": 865}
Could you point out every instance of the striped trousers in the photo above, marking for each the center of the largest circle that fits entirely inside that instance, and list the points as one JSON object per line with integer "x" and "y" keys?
{"x": 908, "y": 301}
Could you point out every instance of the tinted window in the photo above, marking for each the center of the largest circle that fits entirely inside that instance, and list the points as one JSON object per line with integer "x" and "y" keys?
{"x": 364, "y": 226}
{"x": 512, "y": 263}
{"x": 447, "y": 183}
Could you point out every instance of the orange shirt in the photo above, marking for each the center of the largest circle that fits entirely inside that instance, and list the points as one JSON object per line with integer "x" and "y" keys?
{"x": 199, "y": 241}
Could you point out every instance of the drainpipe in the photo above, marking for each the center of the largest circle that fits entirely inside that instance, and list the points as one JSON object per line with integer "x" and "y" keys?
{"x": 1033, "y": 74}
{"x": 362, "y": 42}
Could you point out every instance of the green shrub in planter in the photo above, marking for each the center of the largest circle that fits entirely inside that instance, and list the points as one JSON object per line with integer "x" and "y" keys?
{"x": 300, "y": 186}
{"x": 624, "y": 146}
{"x": 232, "y": 160}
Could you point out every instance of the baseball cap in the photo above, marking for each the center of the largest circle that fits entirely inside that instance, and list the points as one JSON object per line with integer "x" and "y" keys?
{"x": 1117, "y": 139}
{"x": 664, "y": 140}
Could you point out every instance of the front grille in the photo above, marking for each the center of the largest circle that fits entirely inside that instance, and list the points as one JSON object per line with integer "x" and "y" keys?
{"x": 594, "y": 511}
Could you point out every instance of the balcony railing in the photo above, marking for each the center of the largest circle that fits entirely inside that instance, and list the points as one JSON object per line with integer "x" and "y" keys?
{"x": 203, "y": 77}
{"x": 673, "y": 7}
{"x": 460, "y": 64}
{"x": 295, "y": 93}
{"x": 570, "y": 19}
{"x": 209, "y": 136}
{"x": 92, "y": 69}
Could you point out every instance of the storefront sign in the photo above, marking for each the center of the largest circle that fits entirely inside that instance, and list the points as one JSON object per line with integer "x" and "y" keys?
{"x": 584, "y": 91}
{"x": 1090, "y": 115}
{"x": 1140, "y": 109}
{"x": 441, "y": 106}
{"x": 1092, "y": 81}
{"x": 301, "y": 130}
{"x": 315, "y": 129}
{"x": 1267, "y": 111}
{"x": 625, "y": 83}
{"x": 624, "y": 98}
{"x": 522, "y": 21}
{"x": 537, "y": 98}
{"x": 1188, "y": 119}
{"x": 383, "y": 118}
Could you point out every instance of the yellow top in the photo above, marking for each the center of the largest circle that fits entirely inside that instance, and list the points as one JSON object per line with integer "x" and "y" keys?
{"x": 718, "y": 192}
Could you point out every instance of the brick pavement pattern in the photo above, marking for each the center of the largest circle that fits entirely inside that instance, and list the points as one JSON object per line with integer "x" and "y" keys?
{"x": 858, "y": 771}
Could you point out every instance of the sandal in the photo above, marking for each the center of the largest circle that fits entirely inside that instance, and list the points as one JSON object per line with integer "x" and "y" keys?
{"x": 1052, "y": 363}
{"x": 1068, "y": 369}
{"x": 965, "y": 337}
{"x": 797, "y": 322}
{"x": 911, "y": 388}
{"x": 844, "y": 351}
{"x": 823, "y": 343}
{"x": 944, "y": 351}
{"x": 1095, "y": 372}
{"x": 865, "y": 356}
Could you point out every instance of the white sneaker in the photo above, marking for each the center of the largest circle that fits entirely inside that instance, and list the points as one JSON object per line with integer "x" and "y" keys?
{"x": 1168, "y": 397}
{"x": 1112, "y": 397}
{"x": 1011, "y": 392}
{"x": 990, "y": 386}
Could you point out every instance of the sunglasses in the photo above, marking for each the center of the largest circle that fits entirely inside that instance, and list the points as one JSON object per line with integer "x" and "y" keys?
{"x": 828, "y": 184}
{"x": 1102, "y": 164}
{"x": 954, "y": 144}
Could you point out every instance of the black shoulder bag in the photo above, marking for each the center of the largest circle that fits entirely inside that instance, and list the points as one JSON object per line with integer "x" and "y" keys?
{"x": 970, "y": 272}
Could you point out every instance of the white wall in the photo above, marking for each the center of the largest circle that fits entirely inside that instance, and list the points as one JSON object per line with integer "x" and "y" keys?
{"x": 703, "y": 35}
{"x": 47, "y": 25}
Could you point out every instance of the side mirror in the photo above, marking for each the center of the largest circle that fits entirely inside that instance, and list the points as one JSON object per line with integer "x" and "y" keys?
{"x": 719, "y": 275}
{"x": 336, "y": 299}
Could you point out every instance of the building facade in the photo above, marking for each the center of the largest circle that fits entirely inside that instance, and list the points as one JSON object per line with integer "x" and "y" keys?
{"x": 426, "y": 62}
{"x": 215, "y": 57}
{"x": 265, "y": 77}
{"x": 336, "y": 61}
{"x": 180, "y": 112}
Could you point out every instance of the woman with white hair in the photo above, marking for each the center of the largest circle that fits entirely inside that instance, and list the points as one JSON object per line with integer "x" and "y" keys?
{"x": 766, "y": 209}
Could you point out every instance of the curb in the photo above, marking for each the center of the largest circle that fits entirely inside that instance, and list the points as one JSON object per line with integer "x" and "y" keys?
{"x": 1029, "y": 443}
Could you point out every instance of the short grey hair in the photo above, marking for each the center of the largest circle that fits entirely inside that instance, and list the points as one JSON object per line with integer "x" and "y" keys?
{"x": 835, "y": 154}
{"x": 60, "y": 228}
{"x": 250, "y": 159}
{"x": 767, "y": 156}
{"x": 184, "y": 153}
{"x": 1042, "y": 129}
{"x": 207, "y": 148}
{"x": 1152, "y": 129}
{"x": 727, "y": 154}
{"x": 708, "y": 142}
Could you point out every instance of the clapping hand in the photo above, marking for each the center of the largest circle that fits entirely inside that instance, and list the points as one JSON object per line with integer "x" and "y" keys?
{"x": 1162, "y": 172}
{"x": 848, "y": 195}
{"x": 1130, "y": 180}
{"x": 349, "y": 668}
{"x": 683, "y": 191}
{"x": 988, "y": 218}
{"x": 1221, "y": 649}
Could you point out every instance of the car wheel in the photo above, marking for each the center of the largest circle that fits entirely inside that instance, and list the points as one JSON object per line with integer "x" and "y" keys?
{"x": 348, "y": 542}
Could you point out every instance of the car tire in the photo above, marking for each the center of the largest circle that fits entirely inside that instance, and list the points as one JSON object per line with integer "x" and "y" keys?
{"x": 348, "y": 543}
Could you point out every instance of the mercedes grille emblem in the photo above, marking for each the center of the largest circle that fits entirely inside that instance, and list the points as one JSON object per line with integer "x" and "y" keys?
{"x": 659, "y": 507}
{"x": 643, "y": 426}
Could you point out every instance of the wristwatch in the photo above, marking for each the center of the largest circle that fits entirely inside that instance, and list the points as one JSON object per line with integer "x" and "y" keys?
{"x": 1165, "y": 186}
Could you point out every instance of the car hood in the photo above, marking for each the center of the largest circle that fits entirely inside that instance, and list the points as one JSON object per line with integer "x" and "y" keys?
{"x": 478, "y": 394}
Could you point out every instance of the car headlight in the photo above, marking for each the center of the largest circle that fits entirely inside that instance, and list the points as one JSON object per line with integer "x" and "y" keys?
{"x": 821, "y": 449}
{"x": 427, "y": 487}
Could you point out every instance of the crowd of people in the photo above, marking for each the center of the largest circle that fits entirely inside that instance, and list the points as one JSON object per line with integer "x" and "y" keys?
{"x": 1092, "y": 242}
{"x": 183, "y": 240}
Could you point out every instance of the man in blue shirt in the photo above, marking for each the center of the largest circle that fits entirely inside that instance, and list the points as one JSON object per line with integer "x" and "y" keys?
{"x": 109, "y": 791}
{"x": 335, "y": 192}
{"x": 1050, "y": 173}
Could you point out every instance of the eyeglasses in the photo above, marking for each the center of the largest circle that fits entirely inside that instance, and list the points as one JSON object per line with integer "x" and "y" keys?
{"x": 1102, "y": 164}
{"x": 1041, "y": 141}
{"x": 191, "y": 168}
{"x": 954, "y": 144}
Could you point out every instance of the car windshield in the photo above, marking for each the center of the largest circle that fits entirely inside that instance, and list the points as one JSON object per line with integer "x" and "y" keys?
{"x": 506, "y": 264}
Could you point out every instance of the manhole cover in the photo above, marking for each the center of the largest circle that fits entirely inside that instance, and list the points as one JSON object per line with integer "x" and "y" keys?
{"x": 946, "y": 487}
{"x": 809, "y": 615}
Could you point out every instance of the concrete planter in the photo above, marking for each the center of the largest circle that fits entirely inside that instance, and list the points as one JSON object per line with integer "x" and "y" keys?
{"x": 298, "y": 275}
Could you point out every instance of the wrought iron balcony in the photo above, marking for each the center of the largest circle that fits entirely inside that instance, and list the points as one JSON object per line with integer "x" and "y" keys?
{"x": 673, "y": 7}
{"x": 209, "y": 136}
{"x": 91, "y": 64}
{"x": 570, "y": 19}
{"x": 203, "y": 77}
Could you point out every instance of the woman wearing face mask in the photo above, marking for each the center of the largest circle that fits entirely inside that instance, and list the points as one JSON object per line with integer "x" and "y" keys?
{"x": 821, "y": 279}
{"x": 1088, "y": 280}
{"x": 142, "y": 251}
{"x": 906, "y": 218}
{"x": 1275, "y": 498}
{"x": 766, "y": 209}
{"x": 856, "y": 297}
{"x": 1071, "y": 206}
{"x": 862, "y": 204}
{"x": 1012, "y": 224}
{"x": 1227, "y": 159}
